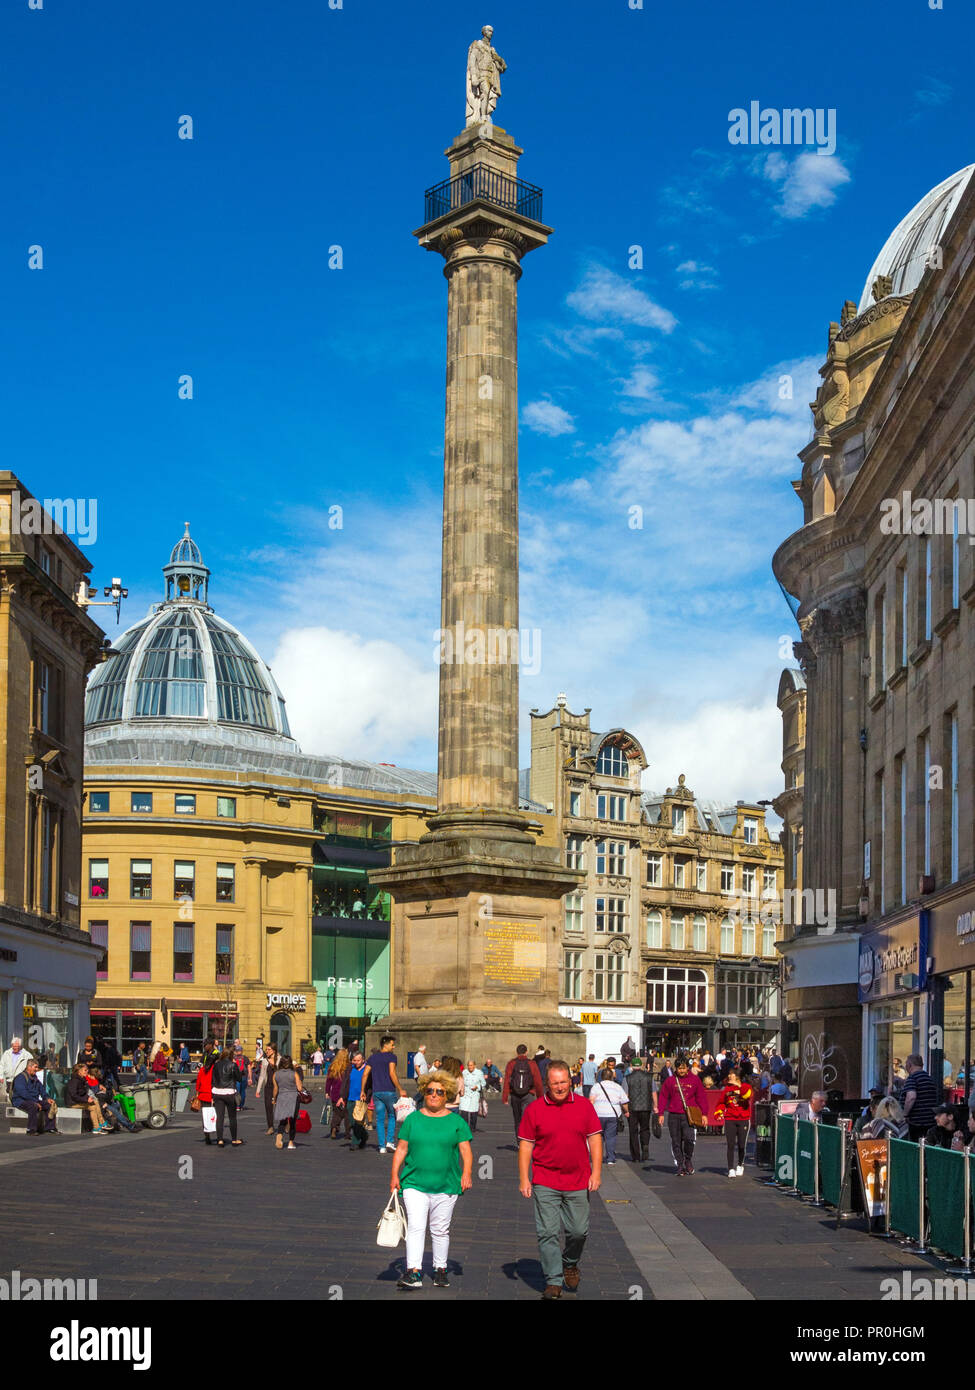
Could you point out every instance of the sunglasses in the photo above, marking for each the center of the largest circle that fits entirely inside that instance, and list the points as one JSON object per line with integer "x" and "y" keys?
{"x": 433, "y": 1091}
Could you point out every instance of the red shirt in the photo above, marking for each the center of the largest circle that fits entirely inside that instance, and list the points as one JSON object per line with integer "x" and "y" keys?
{"x": 669, "y": 1100}
{"x": 560, "y": 1158}
{"x": 734, "y": 1103}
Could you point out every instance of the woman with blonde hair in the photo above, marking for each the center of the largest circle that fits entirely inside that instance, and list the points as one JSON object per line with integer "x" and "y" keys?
{"x": 434, "y": 1156}
{"x": 454, "y": 1068}
{"x": 888, "y": 1121}
{"x": 334, "y": 1081}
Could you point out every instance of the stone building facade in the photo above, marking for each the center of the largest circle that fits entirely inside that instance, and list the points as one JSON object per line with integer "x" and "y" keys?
{"x": 48, "y": 644}
{"x": 884, "y": 573}
{"x": 671, "y": 937}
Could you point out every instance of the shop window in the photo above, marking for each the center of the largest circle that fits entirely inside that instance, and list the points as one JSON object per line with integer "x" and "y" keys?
{"x": 188, "y": 1029}
{"x": 185, "y": 804}
{"x": 226, "y": 887}
{"x": 98, "y": 803}
{"x": 140, "y": 951}
{"x": 141, "y": 878}
{"x": 99, "y": 936}
{"x": 142, "y": 803}
{"x": 98, "y": 878}
{"x": 183, "y": 952}
{"x": 184, "y": 879}
{"x": 227, "y": 806}
{"x": 225, "y": 955}
{"x": 136, "y": 1028}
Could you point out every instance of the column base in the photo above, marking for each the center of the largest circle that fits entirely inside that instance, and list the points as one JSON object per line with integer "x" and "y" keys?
{"x": 478, "y": 1035}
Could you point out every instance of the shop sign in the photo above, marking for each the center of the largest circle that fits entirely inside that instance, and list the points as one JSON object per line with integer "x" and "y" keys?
{"x": 590, "y": 1018}
{"x": 297, "y": 1002}
{"x": 953, "y": 934}
{"x": 893, "y": 960}
{"x": 348, "y": 982}
{"x": 71, "y": 899}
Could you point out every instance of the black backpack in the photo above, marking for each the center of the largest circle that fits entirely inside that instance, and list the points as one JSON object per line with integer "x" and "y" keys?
{"x": 521, "y": 1078}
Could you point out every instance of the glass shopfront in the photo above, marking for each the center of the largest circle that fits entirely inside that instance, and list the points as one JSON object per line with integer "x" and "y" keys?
{"x": 892, "y": 978}
{"x": 893, "y": 1033}
{"x": 340, "y": 890}
{"x": 47, "y": 1029}
{"x": 351, "y": 977}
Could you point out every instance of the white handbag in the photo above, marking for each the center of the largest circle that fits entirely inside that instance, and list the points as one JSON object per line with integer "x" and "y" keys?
{"x": 403, "y": 1107}
{"x": 392, "y": 1224}
{"x": 209, "y": 1117}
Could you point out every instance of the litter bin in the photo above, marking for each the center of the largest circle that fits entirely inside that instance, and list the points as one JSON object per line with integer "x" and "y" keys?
{"x": 127, "y": 1104}
{"x": 763, "y": 1135}
{"x": 181, "y": 1095}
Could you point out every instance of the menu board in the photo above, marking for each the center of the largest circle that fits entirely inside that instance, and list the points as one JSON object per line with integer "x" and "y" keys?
{"x": 872, "y": 1167}
{"x": 514, "y": 955}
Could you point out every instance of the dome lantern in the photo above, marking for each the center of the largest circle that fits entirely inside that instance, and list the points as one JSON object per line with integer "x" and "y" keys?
{"x": 187, "y": 577}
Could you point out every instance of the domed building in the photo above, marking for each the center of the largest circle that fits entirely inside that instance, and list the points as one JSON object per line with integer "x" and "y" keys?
{"x": 226, "y": 872}
{"x": 883, "y": 574}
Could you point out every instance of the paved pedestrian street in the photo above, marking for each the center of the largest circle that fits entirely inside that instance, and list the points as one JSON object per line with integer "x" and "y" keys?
{"x": 160, "y": 1215}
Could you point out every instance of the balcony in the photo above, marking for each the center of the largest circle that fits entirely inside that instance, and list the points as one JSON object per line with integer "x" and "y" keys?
{"x": 481, "y": 183}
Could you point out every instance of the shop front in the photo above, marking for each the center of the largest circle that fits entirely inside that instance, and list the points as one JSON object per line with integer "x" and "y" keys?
{"x": 952, "y": 950}
{"x": 350, "y": 971}
{"x": 127, "y": 1024}
{"x": 606, "y": 1028}
{"x": 891, "y": 980}
{"x": 47, "y": 980}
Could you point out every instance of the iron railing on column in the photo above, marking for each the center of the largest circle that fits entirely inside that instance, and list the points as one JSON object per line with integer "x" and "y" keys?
{"x": 487, "y": 184}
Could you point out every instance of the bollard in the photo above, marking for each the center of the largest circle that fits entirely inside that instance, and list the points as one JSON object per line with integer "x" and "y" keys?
{"x": 922, "y": 1248}
{"x": 817, "y": 1201}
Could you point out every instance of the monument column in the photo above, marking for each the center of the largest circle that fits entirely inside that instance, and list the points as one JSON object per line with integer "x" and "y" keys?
{"x": 477, "y": 912}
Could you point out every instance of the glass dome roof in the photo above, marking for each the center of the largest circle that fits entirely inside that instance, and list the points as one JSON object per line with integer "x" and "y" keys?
{"x": 905, "y": 252}
{"x": 183, "y": 663}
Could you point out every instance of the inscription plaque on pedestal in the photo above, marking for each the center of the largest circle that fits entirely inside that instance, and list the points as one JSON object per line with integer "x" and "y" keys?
{"x": 514, "y": 955}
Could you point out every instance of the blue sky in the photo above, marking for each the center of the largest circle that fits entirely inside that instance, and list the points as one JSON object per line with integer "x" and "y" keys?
{"x": 656, "y": 387}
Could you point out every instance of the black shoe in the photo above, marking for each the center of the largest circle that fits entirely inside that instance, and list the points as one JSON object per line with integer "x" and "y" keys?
{"x": 440, "y": 1279}
{"x": 688, "y": 1170}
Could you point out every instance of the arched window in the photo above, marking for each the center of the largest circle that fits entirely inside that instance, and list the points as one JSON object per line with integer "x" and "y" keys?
{"x": 700, "y": 933}
{"x": 612, "y": 761}
{"x": 727, "y": 947}
{"x": 655, "y": 930}
{"x": 676, "y": 990}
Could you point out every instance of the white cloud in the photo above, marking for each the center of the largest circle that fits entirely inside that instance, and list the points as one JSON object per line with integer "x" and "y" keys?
{"x": 605, "y": 295}
{"x": 348, "y": 695}
{"x": 727, "y": 749}
{"x": 642, "y": 384}
{"x": 545, "y": 417}
{"x": 809, "y": 181}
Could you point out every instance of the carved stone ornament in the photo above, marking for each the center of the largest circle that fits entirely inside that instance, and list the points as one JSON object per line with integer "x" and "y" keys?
{"x": 894, "y": 304}
{"x": 881, "y": 288}
{"x": 826, "y": 628}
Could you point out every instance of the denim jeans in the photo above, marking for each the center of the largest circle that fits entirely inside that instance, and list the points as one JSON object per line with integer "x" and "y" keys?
{"x": 385, "y": 1103}
{"x": 242, "y": 1090}
{"x": 609, "y": 1139}
{"x": 552, "y": 1210}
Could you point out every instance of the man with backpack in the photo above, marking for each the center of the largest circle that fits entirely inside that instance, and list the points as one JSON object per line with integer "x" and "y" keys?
{"x": 522, "y": 1084}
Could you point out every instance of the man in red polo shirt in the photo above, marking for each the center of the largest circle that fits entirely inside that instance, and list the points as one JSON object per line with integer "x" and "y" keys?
{"x": 560, "y": 1158}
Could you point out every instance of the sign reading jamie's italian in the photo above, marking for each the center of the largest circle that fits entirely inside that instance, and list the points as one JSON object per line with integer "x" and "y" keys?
{"x": 894, "y": 959}
{"x": 514, "y": 955}
{"x": 953, "y": 934}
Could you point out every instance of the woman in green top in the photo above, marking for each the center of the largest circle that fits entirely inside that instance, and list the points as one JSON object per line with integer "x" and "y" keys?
{"x": 435, "y": 1158}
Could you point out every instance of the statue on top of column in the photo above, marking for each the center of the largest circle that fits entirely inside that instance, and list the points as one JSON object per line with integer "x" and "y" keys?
{"x": 484, "y": 69}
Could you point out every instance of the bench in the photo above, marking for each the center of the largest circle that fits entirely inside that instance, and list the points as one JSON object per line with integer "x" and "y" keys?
{"x": 69, "y": 1121}
{"x": 17, "y": 1118}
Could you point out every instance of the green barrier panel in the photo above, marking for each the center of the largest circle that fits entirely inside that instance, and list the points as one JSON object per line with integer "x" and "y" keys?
{"x": 785, "y": 1139}
{"x": 831, "y": 1164}
{"x": 806, "y": 1158}
{"x": 903, "y": 1188}
{"x": 944, "y": 1171}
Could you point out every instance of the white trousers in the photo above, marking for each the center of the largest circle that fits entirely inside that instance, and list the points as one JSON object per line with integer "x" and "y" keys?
{"x": 421, "y": 1207}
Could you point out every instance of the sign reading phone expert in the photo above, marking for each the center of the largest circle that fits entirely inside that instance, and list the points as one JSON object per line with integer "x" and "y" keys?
{"x": 514, "y": 955}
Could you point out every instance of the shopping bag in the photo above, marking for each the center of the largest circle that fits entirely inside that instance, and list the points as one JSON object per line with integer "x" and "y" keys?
{"x": 392, "y": 1224}
{"x": 482, "y": 1108}
{"x": 327, "y": 1114}
{"x": 303, "y": 1122}
{"x": 209, "y": 1114}
{"x": 403, "y": 1107}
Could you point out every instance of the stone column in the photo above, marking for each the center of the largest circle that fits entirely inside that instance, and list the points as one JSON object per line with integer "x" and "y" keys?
{"x": 249, "y": 953}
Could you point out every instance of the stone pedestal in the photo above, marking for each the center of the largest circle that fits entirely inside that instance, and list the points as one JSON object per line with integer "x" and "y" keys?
{"x": 477, "y": 903}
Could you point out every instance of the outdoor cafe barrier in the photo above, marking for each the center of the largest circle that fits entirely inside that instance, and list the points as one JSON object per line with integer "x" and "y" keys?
{"x": 920, "y": 1191}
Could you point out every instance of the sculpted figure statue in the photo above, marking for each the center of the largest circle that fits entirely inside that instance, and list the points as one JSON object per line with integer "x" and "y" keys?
{"x": 484, "y": 69}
